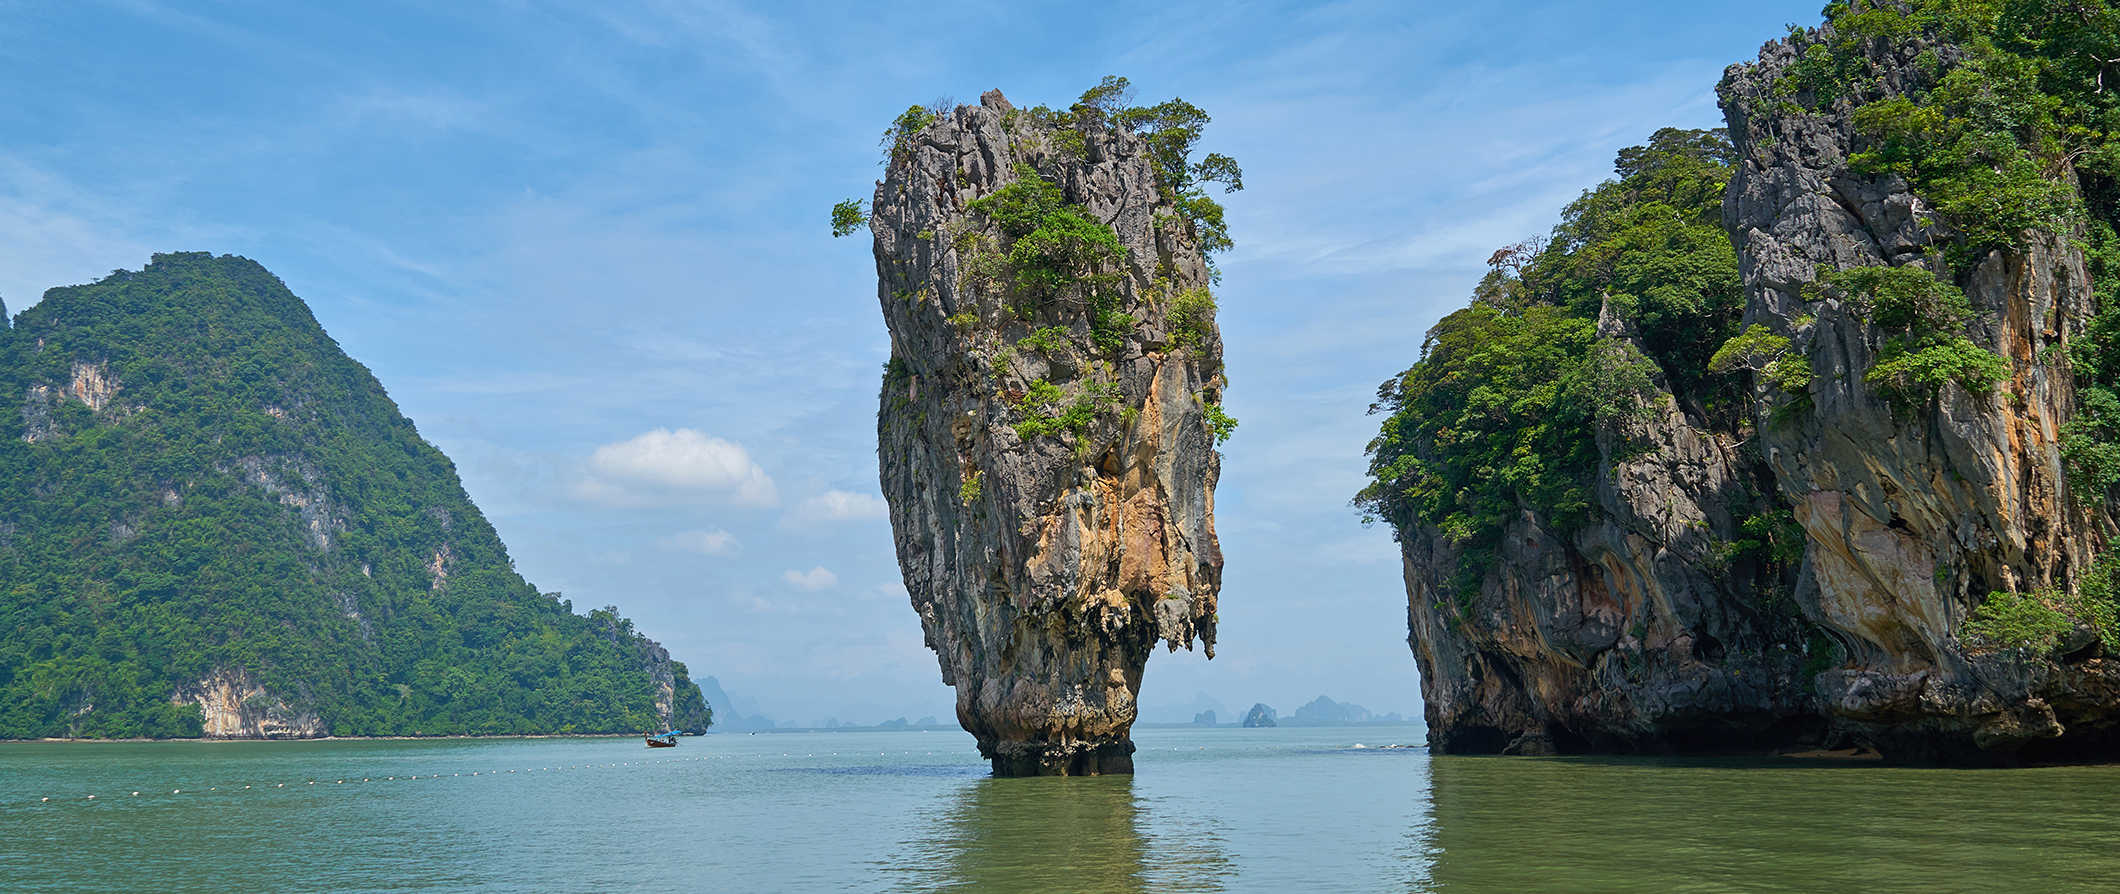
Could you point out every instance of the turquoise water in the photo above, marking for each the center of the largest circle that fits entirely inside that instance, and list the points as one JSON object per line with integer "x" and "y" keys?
{"x": 1210, "y": 810}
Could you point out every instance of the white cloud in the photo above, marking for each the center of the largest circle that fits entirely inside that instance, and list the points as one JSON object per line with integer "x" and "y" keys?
{"x": 812, "y": 580}
{"x": 663, "y": 466}
{"x": 842, "y": 505}
{"x": 706, "y": 543}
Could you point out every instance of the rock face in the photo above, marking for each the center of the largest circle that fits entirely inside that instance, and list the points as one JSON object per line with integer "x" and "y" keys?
{"x": 1912, "y": 518}
{"x": 1044, "y": 449}
{"x": 1621, "y": 636}
{"x": 1631, "y": 634}
{"x": 234, "y": 706}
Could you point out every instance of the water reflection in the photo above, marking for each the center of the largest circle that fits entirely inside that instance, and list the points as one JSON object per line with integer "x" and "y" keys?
{"x": 1516, "y": 824}
{"x": 1051, "y": 834}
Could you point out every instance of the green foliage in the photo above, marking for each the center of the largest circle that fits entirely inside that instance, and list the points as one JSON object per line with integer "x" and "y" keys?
{"x": 1046, "y": 409}
{"x": 1758, "y": 348}
{"x": 2036, "y": 621}
{"x": 1172, "y": 128}
{"x": 1192, "y": 318}
{"x": 250, "y": 498}
{"x": 898, "y": 138}
{"x": 1219, "y": 423}
{"x": 1905, "y": 300}
{"x": 1618, "y": 381}
{"x": 1923, "y": 319}
{"x": 848, "y": 216}
{"x": 1753, "y": 348}
{"x": 1491, "y": 421}
{"x": 1770, "y": 536}
{"x": 1650, "y": 246}
{"x": 2090, "y": 445}
{"x": 1058, "y": 252}
{"x": 2027, "y": 621}
{"x": 2090, "y": 440}
{"x": 2097, "y": 597}
{"x": 963, "y": 319}
{"x": 1045, "y": 339}
{"x": 968, "y": 492}
{"x": 1909, "y": 375}
{"x": 1501, "y": 414}
{"x": 2010, "y": 98}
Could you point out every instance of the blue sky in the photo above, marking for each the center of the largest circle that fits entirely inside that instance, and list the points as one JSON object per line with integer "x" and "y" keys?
{"x": 584, "y": 247}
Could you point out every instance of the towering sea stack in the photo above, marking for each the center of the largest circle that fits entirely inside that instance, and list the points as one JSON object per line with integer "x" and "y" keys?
{"x": 1861, "y": 490}
{"x": 1050, "y": 411}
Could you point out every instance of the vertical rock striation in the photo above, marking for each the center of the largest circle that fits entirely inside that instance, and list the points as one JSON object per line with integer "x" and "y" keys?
{"x": 1913, "y": 516}
{"x": 1910, "y": 498}
{"x": 1627, "y": 633}
{"x": 1043, "y": 429}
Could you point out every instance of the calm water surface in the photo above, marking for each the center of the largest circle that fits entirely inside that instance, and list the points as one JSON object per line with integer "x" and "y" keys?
{"x": 1210, "y": 810}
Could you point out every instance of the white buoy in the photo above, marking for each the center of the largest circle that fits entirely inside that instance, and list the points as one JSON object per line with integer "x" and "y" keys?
{"x": 91, "y": 797}
{"x": 43, "y": 799}
{"x": 136, "y": 794}
{"x": 281, "y": 785}
{"x": 176, "y": 791}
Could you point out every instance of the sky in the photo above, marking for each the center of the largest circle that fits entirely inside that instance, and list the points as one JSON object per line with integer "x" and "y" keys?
{"x": 584, "y": 245}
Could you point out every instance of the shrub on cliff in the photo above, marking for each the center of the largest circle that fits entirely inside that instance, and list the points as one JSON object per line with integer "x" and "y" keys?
{"x": 1500, "y": 414}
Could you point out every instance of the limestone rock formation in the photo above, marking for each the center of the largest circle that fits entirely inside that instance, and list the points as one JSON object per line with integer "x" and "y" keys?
{"x": 233, "y": 705}
{"x": 1634, "y": 630}
{"x": 1911, "y": 518}
{"x": 1043, "y": 429}
{"x": 1624, "y": 634}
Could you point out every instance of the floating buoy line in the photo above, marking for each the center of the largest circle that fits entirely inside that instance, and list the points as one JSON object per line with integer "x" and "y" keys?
{"x": 349, "y": 780}
{"x": 267, "y": 788}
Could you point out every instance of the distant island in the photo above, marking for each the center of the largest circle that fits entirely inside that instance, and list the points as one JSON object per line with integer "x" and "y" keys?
{"x": 215, "y": 523}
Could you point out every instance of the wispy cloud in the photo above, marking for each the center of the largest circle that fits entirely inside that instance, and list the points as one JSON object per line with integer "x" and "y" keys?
{"x": 664, "y": 466}
{"x": 706, "y": 543}
{"x": 813, "y": 580}
{"x": 841, "y": 505}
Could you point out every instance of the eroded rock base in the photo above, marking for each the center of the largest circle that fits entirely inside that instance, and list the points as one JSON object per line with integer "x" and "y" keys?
{"x": 1081, "y": 759}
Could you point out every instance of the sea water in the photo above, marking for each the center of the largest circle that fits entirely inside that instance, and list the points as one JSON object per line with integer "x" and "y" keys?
{"x": 1210, "y": 809}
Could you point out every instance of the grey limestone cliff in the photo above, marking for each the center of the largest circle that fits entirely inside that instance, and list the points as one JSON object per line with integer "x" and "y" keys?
{"x": 1911, "y": 518}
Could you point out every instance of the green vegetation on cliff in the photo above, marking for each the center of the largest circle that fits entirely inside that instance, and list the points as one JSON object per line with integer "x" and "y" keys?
{"x": 1502, "y": 412}
{"x": 2011, "y": 132}
{"x": 195, "y": 480}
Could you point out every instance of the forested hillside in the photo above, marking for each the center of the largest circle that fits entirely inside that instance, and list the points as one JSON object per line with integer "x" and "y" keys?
{"x": 213, "y": 520}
